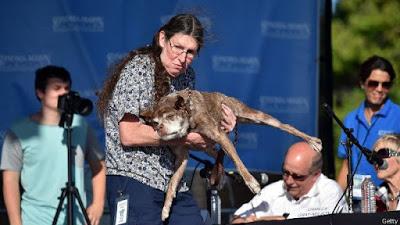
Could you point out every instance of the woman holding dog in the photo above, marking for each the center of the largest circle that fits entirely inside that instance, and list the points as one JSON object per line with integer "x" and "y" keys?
{"x": 139, "y": 164}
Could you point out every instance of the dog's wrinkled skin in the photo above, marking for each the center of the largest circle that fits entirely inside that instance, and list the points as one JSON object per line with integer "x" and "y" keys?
{"x": 192, "y": 111}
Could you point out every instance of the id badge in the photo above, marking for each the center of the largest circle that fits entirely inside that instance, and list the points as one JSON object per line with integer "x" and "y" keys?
{"x": 122, "y": 208}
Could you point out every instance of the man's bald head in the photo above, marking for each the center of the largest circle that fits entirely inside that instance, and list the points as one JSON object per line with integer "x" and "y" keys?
{"x": 301, "y": 169}
{"x": 301, "y": 153}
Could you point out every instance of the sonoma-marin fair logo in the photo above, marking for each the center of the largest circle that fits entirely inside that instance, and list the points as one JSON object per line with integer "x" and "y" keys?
{"x": 285, "y": 30}
{"x": 23, "y": 63}
{"x": 278, "y": 104}
{"x": 233, "y": 64}
{"x": 78, "y": 23}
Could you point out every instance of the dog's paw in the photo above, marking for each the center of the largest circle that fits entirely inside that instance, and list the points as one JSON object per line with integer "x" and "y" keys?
{"x": 254, "y": 186}
{"x": 164, "y": 213}
{"x": 315, "y": 143}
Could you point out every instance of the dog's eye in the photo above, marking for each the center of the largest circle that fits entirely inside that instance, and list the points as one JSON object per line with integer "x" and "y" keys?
{"x": 171, "y": 116}
{"x": 152, "y": 123}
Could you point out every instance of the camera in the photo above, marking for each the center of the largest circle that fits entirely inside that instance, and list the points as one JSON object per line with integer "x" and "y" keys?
{"x": 72, "y": 103}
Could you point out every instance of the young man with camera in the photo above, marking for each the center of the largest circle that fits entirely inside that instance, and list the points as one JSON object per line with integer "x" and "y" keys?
{"x": 35, "y": 155}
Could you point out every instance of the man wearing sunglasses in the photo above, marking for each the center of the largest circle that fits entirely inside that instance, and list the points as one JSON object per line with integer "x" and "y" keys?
{"x": 303, "y": 191}
{"x": 375, "y": 116}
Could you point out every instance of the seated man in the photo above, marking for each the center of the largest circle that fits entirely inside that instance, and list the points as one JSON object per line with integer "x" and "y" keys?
{"x": 303, "y": 192}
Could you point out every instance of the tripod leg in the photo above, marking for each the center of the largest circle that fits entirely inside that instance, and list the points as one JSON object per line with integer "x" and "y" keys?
{"x": 83, "y": 209}
{"x": 62, "y": 197}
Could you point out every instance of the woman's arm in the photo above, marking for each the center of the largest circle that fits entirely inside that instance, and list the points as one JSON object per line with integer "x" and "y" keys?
{"x": 134, "y": 133}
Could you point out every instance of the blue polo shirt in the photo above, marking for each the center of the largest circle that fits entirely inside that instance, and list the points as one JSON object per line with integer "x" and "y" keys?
{"x": 386, "y": 121}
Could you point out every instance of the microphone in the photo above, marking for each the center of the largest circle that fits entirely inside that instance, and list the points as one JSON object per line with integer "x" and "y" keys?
{"x": 376, "y": 160}
{"x": 262, "y": 178}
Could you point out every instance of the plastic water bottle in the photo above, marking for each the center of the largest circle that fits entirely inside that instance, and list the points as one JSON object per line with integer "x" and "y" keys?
{"x": 215, "y": 207}
{"x": 368, "y": 202}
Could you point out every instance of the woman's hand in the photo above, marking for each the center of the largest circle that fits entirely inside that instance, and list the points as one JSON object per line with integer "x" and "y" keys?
{"x": 198, "y": 141}
{"x": 94, "y": 212}
{"x": 229, "y": 119}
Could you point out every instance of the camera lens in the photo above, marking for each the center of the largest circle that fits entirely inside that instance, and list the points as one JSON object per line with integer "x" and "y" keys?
{"x": 72, "y": 103}
{"x": 83, "y": 107}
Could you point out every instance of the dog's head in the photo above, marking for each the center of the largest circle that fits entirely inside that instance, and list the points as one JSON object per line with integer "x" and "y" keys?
{"x": 169, "y": 117}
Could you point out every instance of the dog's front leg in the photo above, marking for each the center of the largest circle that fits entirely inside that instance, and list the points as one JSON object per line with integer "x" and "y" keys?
{"x": 181, "y": 158}
{"x": 230, "y": 150}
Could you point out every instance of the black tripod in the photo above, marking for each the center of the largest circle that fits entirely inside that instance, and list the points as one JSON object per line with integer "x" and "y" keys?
{"x": 69, "y": 191}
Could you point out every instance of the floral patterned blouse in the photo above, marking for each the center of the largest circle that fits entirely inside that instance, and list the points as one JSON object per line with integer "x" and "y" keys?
{"x": 133, "y": 93}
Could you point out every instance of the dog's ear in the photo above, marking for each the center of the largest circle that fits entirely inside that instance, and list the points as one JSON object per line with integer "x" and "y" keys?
{"x": 180, "y": 102}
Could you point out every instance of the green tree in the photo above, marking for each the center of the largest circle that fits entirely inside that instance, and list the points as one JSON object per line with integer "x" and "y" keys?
{"x": 360, "y": 29}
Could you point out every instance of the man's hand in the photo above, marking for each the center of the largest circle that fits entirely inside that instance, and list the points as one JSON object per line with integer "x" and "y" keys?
{"x": 253, "y": 218}
{"x": 247, "y": 219}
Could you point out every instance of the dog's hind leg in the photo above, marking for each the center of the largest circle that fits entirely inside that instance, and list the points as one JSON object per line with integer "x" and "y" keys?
{"x": 181, "y": 160}
{"x": 315, "y": 143}
{"x": 249, "y": 115}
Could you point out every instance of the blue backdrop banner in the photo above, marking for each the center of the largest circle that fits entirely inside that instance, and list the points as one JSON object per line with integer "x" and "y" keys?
{"x": 264, "y": 53}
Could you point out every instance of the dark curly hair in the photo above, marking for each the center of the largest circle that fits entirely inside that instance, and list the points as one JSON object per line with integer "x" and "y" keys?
{"x": 186, "y": 24}
{"x": 376, "y": 62}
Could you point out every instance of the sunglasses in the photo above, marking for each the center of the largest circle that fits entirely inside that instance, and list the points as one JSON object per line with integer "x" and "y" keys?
{"x": 386, "y": 153}
{"x": 295, "y": 176}
{"x": 374, "y": 84}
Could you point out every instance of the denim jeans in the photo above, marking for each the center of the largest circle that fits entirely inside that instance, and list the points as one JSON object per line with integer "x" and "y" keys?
{"x": 145, "y": 204}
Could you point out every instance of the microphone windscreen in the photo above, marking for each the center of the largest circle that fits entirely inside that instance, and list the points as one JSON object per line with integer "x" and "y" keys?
{"x": 264, "y": 178}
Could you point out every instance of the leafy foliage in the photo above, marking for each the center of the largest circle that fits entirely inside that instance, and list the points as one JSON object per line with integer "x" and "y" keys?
{"x": 361, "y": 29}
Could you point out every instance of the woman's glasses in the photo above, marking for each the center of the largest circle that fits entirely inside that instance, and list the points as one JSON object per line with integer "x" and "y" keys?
{"x": 374, "y": 84}
{"x": 178, "y": 50}
{"x": 386, "y": 153}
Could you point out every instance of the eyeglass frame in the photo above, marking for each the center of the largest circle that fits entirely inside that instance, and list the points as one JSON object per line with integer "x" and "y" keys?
{"x": 286, "y": 173}
{"x": 374, "y": 84}
{"x": 391, "y": 153}
{"x": 189, "y": 53}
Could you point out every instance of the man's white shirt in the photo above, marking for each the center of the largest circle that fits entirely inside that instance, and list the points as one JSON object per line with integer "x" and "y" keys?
{"x": 273, "y": 200}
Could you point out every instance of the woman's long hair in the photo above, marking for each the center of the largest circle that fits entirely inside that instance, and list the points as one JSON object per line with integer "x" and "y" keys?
{"x": 186, "y": 24}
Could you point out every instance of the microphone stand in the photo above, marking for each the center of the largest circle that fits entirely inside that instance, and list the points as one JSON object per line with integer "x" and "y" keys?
{"x": 349, "y": 141}
{"x": 213, "y": 198}
{"x": 349, "y": 145}
{"x": 69, "y": 191}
